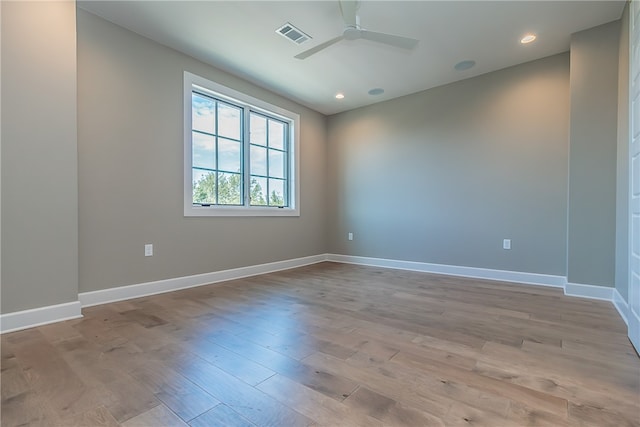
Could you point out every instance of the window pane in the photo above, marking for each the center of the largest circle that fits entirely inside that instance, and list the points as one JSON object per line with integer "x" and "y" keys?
{"x": 229, "y": 188}
{"x": 239, "y": 159}
{"x": 229, "y": 158}
{"x": 276, "y": 192}
{"x": 276, "y": 134}
{"x": 258, "y": 129}
{"x": 276, "y": 164}
{"x": 258, "y": 156}
{"x": 204, "y": 151}
{"x": 258, "y": 191}
{"x": 202, "y": 113}
{"x": 229, "y": 124}
{"x": 204, "y": 186}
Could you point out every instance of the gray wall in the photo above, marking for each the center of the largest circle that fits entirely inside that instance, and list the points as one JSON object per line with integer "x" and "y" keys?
{"x": 443, "y": 176}
{"x": 592, "y": 156}
{"x": 440, "y": 176}
{"x": 130, "y": 140}
{"x": 39, "y": 155}
{"x": 622, "y": 162}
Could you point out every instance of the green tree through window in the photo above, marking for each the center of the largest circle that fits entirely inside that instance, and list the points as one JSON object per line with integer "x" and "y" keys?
{"x": 204, "y": 191}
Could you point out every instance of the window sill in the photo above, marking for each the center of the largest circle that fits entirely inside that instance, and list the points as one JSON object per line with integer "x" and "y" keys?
{"x": 204, "y": 211}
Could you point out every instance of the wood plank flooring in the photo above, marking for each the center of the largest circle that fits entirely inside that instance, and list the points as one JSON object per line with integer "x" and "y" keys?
{"x": 333, "y": 345}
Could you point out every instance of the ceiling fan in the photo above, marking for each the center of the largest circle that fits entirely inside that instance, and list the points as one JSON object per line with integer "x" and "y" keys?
{"x": 353, "y": 31}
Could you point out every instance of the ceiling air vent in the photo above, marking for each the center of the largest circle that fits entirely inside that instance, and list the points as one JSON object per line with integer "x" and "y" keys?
{"x": 292, "y": 33}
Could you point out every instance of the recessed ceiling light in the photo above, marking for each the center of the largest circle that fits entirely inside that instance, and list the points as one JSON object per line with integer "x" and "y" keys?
{"x": 376, "y": 91}
{"x": 339, "y": 95}
{"x": 528, "y": 38}
{"x": 464, "y": 65}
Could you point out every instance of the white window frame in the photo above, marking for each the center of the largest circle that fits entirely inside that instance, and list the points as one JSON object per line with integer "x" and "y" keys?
{"x": 248, "y": 103}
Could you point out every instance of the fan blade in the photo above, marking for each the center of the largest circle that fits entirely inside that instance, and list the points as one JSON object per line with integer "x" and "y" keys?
{"x": 348, "y": 9}
{"x": 397, "y": 41}
{"x": 313, "y": 50}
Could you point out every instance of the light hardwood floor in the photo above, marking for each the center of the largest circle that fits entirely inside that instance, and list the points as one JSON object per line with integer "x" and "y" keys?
{"x": 329, "y": 344}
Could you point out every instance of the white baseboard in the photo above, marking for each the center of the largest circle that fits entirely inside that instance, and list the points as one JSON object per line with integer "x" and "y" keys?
{"x": 88, "y": 299}
{"x": 589, "y": 291}
{"x": 621, "y": 305}
{"x": 24, "y": 319}
{"x": 41, "y": 316}
{"x": 572, "y": 289}
{"x": 454, "y": 270}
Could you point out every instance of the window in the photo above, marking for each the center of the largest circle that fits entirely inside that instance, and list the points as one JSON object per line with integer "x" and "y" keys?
{"x": 240, "y": 153}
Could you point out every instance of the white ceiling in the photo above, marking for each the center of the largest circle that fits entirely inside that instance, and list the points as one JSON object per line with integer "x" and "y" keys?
{"x": 239, "y": 37}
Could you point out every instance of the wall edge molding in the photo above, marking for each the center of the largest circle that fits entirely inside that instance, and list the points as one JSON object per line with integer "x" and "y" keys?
{"x": 570, "y": 289}
{"x": 120, "y": 293}
{"x": 621, "y": 305}
{"x": 589, "y": 291}
{"x": 24, "y": 319}
{"x": 453, "y": 270}
{"x": 16, "y": 321}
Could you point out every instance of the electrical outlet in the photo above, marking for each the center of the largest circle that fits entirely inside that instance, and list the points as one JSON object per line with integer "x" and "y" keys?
{"x": 148, "y": 249}
{"x": 506, "y": 244}
{"x": 350, "y": 236}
